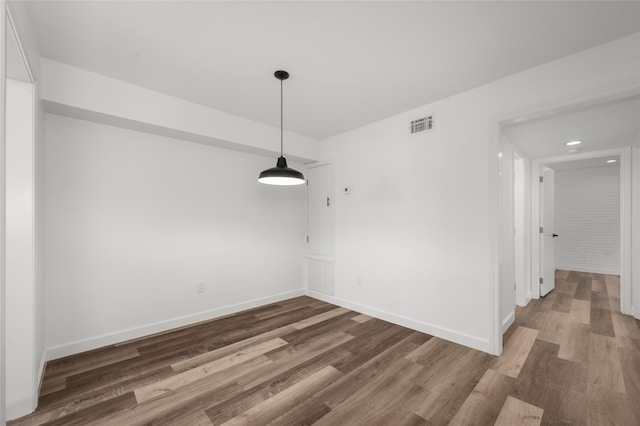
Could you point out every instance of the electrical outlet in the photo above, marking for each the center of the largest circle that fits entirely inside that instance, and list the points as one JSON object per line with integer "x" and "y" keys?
{"x": 199, "y": 288}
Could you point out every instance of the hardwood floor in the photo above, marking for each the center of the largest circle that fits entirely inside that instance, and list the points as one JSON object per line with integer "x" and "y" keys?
{"x": 570, "y": 358}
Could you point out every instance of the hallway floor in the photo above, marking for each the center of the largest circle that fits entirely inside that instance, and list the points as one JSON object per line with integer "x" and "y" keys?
{"x": 583, "y": 365}
{"x": 569, "y": 358}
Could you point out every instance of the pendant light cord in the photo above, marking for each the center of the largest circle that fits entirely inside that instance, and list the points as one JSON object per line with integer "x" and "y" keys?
{"x": 281, "y": 114}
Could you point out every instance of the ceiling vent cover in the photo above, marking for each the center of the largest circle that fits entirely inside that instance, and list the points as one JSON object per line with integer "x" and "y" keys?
{"x": 421, "y": 125}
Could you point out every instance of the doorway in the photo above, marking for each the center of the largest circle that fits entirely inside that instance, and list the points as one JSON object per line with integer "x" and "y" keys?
{"x": 600, "y": 111}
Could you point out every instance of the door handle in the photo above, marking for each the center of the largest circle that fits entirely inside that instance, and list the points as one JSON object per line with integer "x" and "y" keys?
{"x": 554, "y": 235}
{"x": 328, "y": 202}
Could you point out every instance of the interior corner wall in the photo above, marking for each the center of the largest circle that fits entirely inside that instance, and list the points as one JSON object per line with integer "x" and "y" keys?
{"x": 635, "y": 230}
{"x": 417, "y": 225}
{"x": 2, "y": 213}
{"x": 20, "y": 265}
{"x": 134, "y": 221}
{"x": 588, "y": 220}
{"x": 507, "y": 247}
{"x": 39, "y": 231}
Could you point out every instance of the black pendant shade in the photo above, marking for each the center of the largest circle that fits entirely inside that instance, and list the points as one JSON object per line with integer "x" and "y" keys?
{"x": 281, "y": 174}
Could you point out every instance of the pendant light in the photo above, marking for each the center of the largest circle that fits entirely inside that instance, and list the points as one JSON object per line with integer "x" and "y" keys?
{"x": 281, "y": 174}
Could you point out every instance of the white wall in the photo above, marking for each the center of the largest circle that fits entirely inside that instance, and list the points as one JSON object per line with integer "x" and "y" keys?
{"x": 588, "y": 220}
{"x": 418, "y": 226}
{"x": 20, "y": 249}
{"x": 635, "y": 229}
{"x": 27, "y": 59}
{"x": 134, "y": 221}
{"x": 2, "y": 215}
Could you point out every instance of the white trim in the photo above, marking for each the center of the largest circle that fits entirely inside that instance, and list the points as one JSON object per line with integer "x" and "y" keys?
{"x": 3, "y": 411}
{"x": 510, "y": 319}
{"x": 70, "y": 348}
{"x": 40, "y": 376}
{"x": 495, "y": 234}
{"x": 587, "y": 270}
{"x": 625, "y": 217}
{"x": 414, "y": 324}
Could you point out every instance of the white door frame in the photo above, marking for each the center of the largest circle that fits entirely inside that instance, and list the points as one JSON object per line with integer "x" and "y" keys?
{"x": 2, "y": 211}
{"x": 496, "y": 124}
{"x": 625, "y": 216}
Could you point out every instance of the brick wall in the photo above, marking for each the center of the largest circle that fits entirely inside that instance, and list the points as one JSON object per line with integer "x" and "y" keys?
{"x": 588, "y": 220}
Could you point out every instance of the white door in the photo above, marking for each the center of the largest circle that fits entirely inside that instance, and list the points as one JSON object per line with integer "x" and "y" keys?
{"x": 547, "y": 234}
{"x": 319, "y": 210}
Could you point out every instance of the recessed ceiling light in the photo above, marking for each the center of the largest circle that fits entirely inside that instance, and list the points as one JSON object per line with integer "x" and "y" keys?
{"x": 573, "y": 143}
{"x": 611, "y": 161}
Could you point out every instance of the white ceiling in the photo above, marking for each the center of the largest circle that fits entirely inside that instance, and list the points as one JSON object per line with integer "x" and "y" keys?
{"x": 586, "y": 163}
{"x": 351, "y": 63}
{"x": 609, "y": 125}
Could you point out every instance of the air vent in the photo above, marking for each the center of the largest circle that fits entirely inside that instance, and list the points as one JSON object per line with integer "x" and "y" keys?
{"x": 421, "y": 125}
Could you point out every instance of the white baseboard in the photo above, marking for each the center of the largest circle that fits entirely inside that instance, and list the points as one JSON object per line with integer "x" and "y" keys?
{"x": 434, "y": 330}
{"x": 40, "y": 372}
{"x": 70, "y": 348}
{"x": 506, "y": 323}
{"x": 527, "y": 299}
{"x": 588, "y": 270}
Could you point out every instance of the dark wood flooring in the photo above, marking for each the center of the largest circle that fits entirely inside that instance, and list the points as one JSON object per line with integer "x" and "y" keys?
{"x": 570, "y": 358}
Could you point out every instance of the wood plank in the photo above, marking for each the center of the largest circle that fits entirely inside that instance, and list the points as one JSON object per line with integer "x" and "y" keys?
{"x": 449, "y": 380}
{"x": 286, "y": 400}
{"x": 597, "y": 285}
{"x": 337, "y": 392}
{"x": 162, "y": 387}
{"x": 394, "y": 391}
{"x": 194, "y": 397}
{"x": 315, "y": 348}
{"x": 361, "y": 318}
{"x": 626, "y": 331}
{"x": 207, "y": 357}
{"x": 561, "y": 405}
{"x": 630, "y": 363}
{"x": 601, "y": 322}
{"x": 605, "y": 407}
{"x": 516, "y": 412}
{"x": 605, "y": 370}
{"x": 583, "y": 289}
{"x": 600, "y": 300}
{"x": 56, "y": 372}
{"x": 580, "y": 311}
{"x": 319, "y": 318}
{"x": 515, "y": 352}
{"x": 486, "y": 400}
